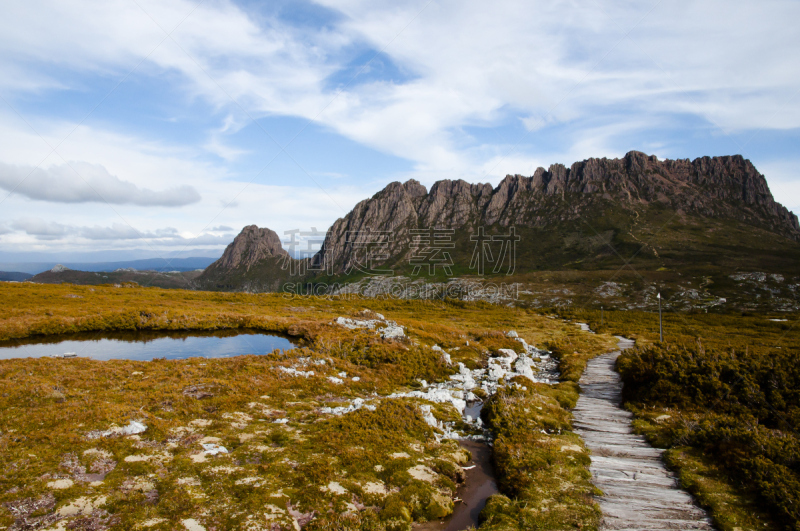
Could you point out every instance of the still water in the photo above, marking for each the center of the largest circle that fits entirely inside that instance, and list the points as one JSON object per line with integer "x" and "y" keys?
{"x": 146, "y": 345}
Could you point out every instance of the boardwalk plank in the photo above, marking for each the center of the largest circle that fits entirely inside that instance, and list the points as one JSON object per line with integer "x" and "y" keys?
{"x": 639, "y": 493}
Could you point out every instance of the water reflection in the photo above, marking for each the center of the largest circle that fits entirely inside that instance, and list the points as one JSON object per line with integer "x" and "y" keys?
{"x": 146, "y": 345}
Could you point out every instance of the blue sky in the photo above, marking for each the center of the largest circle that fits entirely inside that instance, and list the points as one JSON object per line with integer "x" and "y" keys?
{"x": 168, "y": 125}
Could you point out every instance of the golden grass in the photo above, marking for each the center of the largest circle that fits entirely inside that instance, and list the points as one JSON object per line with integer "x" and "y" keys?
{"x": 274, "y": 474}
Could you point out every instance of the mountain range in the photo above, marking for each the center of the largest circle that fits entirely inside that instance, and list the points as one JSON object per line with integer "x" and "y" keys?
{"x": 708, "y": 216}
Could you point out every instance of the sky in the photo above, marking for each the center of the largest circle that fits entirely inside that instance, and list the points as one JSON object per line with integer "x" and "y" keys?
{"x": 168, "y": 125}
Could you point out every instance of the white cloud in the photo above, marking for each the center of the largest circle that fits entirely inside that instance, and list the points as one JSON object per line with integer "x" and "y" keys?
{"x": 50, "y": 230}
{"x": 469, "y": 63}
{"x": 603, "y": 71}
{"x": 41, "y": 229}
{"x": 81, "y": 182}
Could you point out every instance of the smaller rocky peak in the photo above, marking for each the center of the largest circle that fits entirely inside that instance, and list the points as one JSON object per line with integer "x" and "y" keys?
{"x": 637, "y": 162}
{"x": 396, "y": 191}
{"x": 414, "y": 188}
{"x": 450, "y": 188}
{"x": 511, "y": 184}
{"x": 250, "y": 246}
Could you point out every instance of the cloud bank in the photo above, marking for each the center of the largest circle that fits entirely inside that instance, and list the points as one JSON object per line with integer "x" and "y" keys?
{"x": 50, "y": 231}
{"x": 81, "y": 182}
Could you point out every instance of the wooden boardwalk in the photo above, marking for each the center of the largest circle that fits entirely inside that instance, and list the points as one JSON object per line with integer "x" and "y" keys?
{"x": 639, "y": 492}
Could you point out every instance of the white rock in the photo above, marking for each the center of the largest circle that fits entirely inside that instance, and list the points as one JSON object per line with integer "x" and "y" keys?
{"x": 60, "y": 484}
{"x": 192, "y": 525}
{"x": 214, "y": 449}
{"x": 133, "y": 428}
{"x": 392, "y": 331}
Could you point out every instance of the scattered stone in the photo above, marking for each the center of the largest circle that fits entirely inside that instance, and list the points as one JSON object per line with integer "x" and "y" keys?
{"x": 300, "y": 518}
{"x": 240, "y": 420}
{"x": 213, "y": 449}
{"x": 355, "y": 405}
{"x": 375, "y": 487}
{"x": 60, "y": 484}
{"x": 198, "y": 392}
{"x": 392, "y": 331}
{"x": 253, "y": 481}
{"x": 422, "y": 473}
{"x": 334, "y": 488}
{"x": 571, "y": 448}
{"x": 82, "y": 505}
{"x": 140, "y": 484}
{"x": 133, "y": 428}
{"x": 144, "y": 458}
{"x": 192, "y": 525}
{"x": 295, "y": 372}
{"x": 152, "y": 522}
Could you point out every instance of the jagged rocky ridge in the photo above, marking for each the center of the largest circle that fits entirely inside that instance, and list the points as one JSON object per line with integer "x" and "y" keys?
{"x": 722, "y": 187}
{"x": 588, "y": 214}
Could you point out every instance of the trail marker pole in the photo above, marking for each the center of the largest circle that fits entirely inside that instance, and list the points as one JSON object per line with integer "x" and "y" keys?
{"x": 660, "y": 325}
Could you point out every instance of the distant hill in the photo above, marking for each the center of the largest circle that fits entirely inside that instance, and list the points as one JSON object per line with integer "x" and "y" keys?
{"x": 150, "y": 264}
{"x": 60, "y": 274}
{"x": 12, "y": 276}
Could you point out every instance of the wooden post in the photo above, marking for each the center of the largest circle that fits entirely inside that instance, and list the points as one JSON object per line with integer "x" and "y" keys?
{"x": 660, "y": 325}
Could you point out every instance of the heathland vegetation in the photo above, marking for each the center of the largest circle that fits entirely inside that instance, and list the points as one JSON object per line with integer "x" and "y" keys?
{"x": 722, "y": 393}
{"x": 287, "y": 461}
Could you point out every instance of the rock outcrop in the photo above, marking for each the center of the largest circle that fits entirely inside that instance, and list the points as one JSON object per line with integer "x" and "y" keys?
{"x": 249, "y": 247}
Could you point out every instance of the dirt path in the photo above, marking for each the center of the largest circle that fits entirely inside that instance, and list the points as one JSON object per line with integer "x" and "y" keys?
{"x": 639, "y": 492}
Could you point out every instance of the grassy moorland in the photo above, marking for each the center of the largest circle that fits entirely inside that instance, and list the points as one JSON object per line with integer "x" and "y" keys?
{"x": 722, "y": 393}
{"x": 289, "y": 463}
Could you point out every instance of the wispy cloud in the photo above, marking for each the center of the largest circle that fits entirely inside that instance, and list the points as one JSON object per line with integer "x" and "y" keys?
{"x": 459, "y": 89}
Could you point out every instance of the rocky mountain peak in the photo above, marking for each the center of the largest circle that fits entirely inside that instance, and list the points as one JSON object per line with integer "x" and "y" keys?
{"x": 249, "y": 247}
{"x": 711, "y": 187}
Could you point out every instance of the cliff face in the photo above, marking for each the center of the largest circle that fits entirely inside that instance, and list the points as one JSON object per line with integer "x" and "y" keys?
{"x": 250, "y": 246}
{"x": 711, "y": 187}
